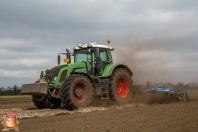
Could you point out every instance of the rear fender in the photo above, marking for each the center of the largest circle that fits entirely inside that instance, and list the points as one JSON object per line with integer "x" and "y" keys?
{"x": 111, "y": 68}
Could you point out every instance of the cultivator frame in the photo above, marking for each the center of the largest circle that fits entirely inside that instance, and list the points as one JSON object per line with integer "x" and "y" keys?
{"x": 169, "y": 92}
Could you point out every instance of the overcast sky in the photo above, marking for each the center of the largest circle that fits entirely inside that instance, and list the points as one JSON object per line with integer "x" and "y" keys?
{"x": 157, "y": 39}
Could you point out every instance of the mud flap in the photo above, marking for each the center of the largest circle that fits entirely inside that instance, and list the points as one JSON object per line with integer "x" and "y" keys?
{"x": 34, "y": 88}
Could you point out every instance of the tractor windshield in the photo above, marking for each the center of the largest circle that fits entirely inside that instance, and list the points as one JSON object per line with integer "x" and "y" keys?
{"x": 82, "y": 55}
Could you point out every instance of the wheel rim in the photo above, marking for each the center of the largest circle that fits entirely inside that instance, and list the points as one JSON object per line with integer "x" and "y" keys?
{"x": 78, "y": 93}
{"x": 122, "y": 88}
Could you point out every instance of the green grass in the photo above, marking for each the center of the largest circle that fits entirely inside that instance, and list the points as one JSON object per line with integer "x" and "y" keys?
{"x": 15, "y": 96}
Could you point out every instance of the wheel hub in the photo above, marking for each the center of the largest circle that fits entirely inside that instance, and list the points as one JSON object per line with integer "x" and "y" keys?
{"x": 122, "y": 88}
{"x": 78, "y": 93}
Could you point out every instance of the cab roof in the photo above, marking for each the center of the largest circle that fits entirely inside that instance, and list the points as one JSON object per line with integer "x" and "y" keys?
{"x": 94, "y": 45}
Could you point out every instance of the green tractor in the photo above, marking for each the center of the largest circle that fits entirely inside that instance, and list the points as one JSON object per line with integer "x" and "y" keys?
{"x": 74, "y": 85}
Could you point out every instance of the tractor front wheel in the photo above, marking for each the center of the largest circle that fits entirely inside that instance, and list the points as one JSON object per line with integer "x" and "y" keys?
{"x": 51, "y": 103}
{"x": 41, "y": 102}
{"x": 37, "y": 100}
{"x": 76, "y": 92}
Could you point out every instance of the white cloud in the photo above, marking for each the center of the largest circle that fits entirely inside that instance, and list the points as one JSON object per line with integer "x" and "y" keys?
{"x": 11, "y": 42}
{"x": 18, "y": 73}
{"x": 33, "y": 33}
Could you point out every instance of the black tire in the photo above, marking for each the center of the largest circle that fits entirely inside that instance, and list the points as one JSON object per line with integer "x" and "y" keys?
{"x": 51, "y": 103}
{"x": 76, "y": 92}
{"x": 42, "y": 102}
{"x": 121, "y": 86}
{"x": 37, "y": 100}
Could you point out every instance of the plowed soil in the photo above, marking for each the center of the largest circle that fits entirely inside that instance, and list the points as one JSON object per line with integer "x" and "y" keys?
{"x": 137, "y": 116}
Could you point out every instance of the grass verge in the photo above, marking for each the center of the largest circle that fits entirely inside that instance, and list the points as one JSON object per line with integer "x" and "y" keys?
{"x": 15, "y": 96}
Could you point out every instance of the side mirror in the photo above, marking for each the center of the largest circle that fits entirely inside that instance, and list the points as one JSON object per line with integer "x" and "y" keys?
{"x": 59, "y": 59}
{"x": 97, "y": 52}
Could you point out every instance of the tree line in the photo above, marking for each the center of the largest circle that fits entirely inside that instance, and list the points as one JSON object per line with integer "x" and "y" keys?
{"x": 15, "y": 90}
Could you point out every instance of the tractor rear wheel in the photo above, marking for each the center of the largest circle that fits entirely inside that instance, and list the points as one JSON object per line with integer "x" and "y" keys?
{"x": 76, "y": 92}
{"x": 121, "y": 86}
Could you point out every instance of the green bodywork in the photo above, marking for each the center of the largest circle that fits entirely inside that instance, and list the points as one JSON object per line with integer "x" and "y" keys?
{"x": 85, "y": 63}
{"x": 79, "y": 67}
{"x": 82, "y": 68}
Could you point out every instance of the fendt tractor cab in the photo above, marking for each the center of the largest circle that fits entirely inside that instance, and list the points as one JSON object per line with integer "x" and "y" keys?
{"x": 74, "y": 85}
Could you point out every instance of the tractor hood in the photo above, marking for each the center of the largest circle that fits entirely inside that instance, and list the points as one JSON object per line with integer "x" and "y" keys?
{"x": 52, "y": 73}
{"x": 58, "y": 74}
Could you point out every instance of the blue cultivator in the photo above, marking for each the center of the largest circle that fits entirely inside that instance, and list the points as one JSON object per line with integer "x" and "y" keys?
{"x": 168, "y": 93}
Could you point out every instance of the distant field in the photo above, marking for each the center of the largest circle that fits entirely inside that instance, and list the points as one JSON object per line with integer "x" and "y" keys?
{"x": 15, "y": 96}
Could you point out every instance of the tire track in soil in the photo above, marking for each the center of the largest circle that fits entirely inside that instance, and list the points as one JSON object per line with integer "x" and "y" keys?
{"x": 33, "y": 112}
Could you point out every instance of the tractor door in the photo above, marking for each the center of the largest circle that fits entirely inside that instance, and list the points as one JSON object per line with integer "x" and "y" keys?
{"x": 101, "y": 61}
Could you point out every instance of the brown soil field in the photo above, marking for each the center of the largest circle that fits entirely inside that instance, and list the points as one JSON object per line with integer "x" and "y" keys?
{"x": 133, "y": 117}
{"x": 192, "y": 94}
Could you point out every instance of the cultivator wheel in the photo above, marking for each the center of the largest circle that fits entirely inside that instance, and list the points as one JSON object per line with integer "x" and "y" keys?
{"x": 183, "y": 97}
{"x": 121, "y": 86}
{"x": 76, "y": 92}
{"x": 179, "y": 97}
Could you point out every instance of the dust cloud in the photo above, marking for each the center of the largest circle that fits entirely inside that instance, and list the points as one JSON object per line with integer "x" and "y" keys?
{"x": 145, "y": 57}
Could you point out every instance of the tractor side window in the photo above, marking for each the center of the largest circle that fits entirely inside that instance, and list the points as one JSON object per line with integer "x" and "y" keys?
{"x": 103, "y": 56}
